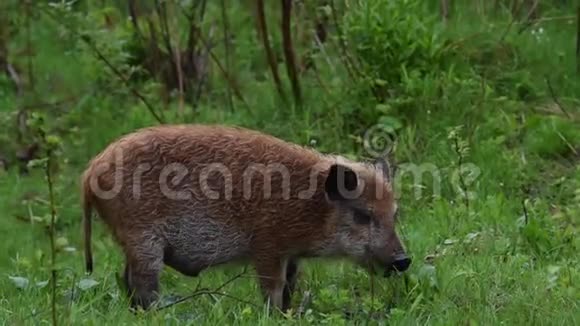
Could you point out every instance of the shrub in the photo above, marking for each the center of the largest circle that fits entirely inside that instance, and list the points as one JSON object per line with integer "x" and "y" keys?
{"x": 392, "y": 36}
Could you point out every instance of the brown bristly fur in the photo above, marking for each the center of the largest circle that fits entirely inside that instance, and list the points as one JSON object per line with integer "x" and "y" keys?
{"x": 272, "y": 230}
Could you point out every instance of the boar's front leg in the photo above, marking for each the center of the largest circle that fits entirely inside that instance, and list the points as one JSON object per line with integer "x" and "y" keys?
{"x": 271, "y": 272}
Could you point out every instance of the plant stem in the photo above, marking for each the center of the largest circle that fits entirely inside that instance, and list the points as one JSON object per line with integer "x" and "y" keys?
{"x": 52, "y": 233}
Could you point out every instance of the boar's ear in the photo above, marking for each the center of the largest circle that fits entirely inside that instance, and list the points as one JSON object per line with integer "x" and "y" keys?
{"x": 383, "y": 165}
{"x": 340, "y": 179}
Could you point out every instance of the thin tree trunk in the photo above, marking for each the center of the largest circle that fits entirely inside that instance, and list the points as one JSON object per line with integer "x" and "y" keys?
{"x": 444, "y": 8}
{"x": 263, "y": 33}
{"x": 289, "y": 50}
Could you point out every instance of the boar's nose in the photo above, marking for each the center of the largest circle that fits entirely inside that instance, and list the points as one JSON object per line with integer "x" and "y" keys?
{"x": 401, "y": 263}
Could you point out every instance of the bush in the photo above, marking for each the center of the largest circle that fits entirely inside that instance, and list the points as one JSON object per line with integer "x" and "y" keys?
{"x": 392, "y": 36}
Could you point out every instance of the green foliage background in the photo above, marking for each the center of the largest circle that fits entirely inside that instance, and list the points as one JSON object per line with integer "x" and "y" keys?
{"x": 476, "y": 90}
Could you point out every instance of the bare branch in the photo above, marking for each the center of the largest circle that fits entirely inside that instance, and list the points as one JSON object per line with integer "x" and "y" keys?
{"x": 165, "y": 34}
{"x": 87, "y": 40}
{"x": 120, "y": 75}
{"x": 199, "y": 292}
{"x": 531, "y": 17}
{"x": 230, "y": 81}
{"x": 555, "y": 97}
{"x": 515, "y": 12}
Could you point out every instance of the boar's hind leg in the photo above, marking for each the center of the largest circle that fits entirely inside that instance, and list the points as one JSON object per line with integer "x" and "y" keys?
{"x": 143, "y": 265}
{"x": 272, "y": 277}
{"x": 291, "y": 275}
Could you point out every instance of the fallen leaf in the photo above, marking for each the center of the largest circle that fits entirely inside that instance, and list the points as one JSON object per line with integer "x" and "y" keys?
{"x": 87, "y": 283}
{"x": 470, "y": 236}
{"x": 449, "y": 241}
{"x": 41, "y": 284}
{"x": 20, "y": 282}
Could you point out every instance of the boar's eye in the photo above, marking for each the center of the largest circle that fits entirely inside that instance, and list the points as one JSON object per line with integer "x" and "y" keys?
{"x": 362, "y": 218}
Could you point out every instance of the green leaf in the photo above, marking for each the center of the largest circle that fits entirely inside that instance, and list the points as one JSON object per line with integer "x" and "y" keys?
{"x": 61, "y": 242}
{"x": 53, "y": 141}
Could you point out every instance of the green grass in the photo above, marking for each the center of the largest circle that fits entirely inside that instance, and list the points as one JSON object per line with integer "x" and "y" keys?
{"x": 507, "y": 256}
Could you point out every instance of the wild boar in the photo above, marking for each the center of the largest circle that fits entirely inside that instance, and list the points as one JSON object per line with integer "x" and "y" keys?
{"x": 196, "y": 196}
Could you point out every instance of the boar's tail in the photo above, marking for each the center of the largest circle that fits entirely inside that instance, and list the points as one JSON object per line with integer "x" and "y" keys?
{"x": 87, "y": 228}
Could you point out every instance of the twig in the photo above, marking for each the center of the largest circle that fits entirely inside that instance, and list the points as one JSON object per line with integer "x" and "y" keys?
{"x": 87, "y": 40}
{"x": 162, "y": 13}
{"x": 526, "y": 216}
{"x": 555, "y": 98}
{"x": 459, "y": 164}
{"x": 199, "y": 292}
{"x": 237, "y": 276}
{"x": 206, "y": 292}
{"x": 515, "y": 11}
{"x": 263, "y": 33}
{"x": 15, "y": 78}
{"x": 289, "y": 50}
{"x": 348, "y": 62}
{"x": 570, "y": 146}
{"x": 530, "y": 18}
{"x": 231, "y": 83}
{"x": 136, "y": 93}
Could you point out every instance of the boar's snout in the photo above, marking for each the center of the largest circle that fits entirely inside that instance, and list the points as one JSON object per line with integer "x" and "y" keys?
{"x": 400, "y": 263}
